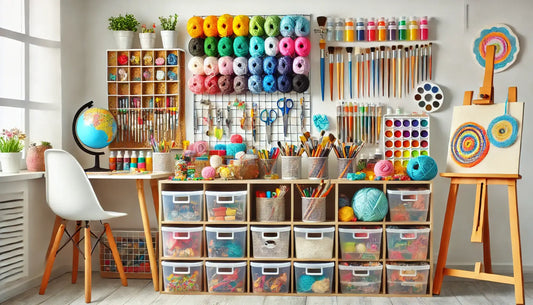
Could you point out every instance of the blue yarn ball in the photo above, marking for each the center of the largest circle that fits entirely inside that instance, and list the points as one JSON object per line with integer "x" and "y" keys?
{"x": 233, "y": 148}
{"x": 270, "y": 64}
{"x": 269, "y": 84}
{"x": 286, "y": 26}
{"x": 255, "y": 65}
{"x": 305, "y": 282}
{"x": 255, "y": 84}
{"x": 422, "y": 168}
{"x": 370, "y": 204}
{"x": 220, "y": 146}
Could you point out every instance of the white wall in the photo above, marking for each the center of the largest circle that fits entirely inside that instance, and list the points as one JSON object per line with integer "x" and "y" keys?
{"x": 86, "y": 38}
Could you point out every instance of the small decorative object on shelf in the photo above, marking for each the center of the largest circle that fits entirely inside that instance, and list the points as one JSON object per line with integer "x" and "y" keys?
{"x": 168, "y": 34}
{"x": 123, "y": 28}
{"x": 11, "y": 145}
{"x": 147, "y": 37}
{"x": 35, "y": 156}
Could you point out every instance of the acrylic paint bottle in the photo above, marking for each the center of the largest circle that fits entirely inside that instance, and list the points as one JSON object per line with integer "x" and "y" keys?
{"x": 382, "y": 29}
{"x": 141, "y": 162}
{"x": 371, "y": 30}
{"x": 424, "y": 28}
{"x": 339, "y": 29}
{"x": 360, "y": 29}
{"x": 402, "y": 28}
{"x": 349, "y": 30}
{"x": 392, "y": 29}
{"x": 413, "y": 29}
{"x": 133, "y": 161}
{"x": 127, "y": 160}
{"x": 149, "y": 164}
{"x": 120, "y": 161}
{"x": 112, "y": 161}
{"x": 330, "y": 30}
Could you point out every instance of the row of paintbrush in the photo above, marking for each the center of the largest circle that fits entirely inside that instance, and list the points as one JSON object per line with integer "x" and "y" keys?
{"x": 359, "y": 123}
{"x": 379, "y": 71}
{"x": 139, "y": 125}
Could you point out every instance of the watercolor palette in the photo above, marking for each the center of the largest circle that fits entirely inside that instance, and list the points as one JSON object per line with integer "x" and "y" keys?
{"x": 428, "y": 96}
{"x": 405, "y": 137}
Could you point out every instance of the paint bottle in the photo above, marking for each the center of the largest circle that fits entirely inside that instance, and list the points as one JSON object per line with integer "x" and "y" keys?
{"x": 360, "y": 29}
{"x": 371, "y": 30}
{"x": 127, "y": 160}
{"x": 133, "y": 160}
{"x": 330, "y": 30}
{"x": 120, "y": 161}
{"x": 141, "y": 162}
{"x": 424, "y": 28}
{"x": 392, "y": 29}
{"x": 112, "y": 161}
{"x": 413, "y": 29}
{"x": 382, "y": 29}
{"x": 349, "y": 30}
{"x": 339, "y": 29}
{"x": 149, "y": 164}
{"x": 402, "y": 28}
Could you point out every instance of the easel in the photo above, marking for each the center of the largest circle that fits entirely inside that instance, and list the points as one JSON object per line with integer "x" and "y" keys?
{"x": 480, "y": 229}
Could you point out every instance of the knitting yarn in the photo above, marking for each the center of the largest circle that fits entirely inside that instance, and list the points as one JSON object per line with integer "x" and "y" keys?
{"x": 211, "y": 46}
{"x": 225, "y": 84}
{"x": 210, "y": 26}
{"x": 233, "y": 148}
{"x": 255, "y": 84}
{"x": 257, "y": 46}
{"x": 286, "y": 26}
{"x": 196, "y": 84}
{"x": 302, "y": 26}
{"x": 285, "y": 65}
{"x": 196, "y": 65}
{"x": 269, "y": 83}
{"x": 346, "y": 214}
{"x": 304, "y": 283}
{"x": 300, "y": 83}
{"x": 383, "y": 168}
{"x": 422, "y": 168}
{"x": 211, "y": 84}
{"x": 302, "y": 46}
{"x": 271, "y": 46}
{"x": 240, "y": 25}
{"x": 272, "y": 26}
{"x": 240, "y": 66}
{"x": 208, "y": 172}
{"x": 286, "y": 46}
{"x": 225, "y": 65}
{"x": 270, "y": 64}
{"x": 240, "y": 84}
{"x": 256, "y": 25}
{"x": 196, "y": 46}
{"x": 195, "y": 26}
{"x": 225, "y": 46}
{"x": 370, "y": 204}
{"x": 284, "y": 83}
{"x": 216, "y": 161}
{"x": 225, "y": 25}
{"x": 211, "y": 65}
{"x": 240, "y": 46}
{"x": 300, "y": 65}
{"x": 255, "y": 66}
{"x": 236, "y": 138}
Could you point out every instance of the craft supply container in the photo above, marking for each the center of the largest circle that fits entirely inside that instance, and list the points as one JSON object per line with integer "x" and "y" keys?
{"x": 226, "y": 206}
{"x": 267, "y": 168}
{"x": 408, "y": 204}
{"x": 270, "y": 242}
{"x": 347, "y": 164}
{"x": 360, "y": 243}
{"x": 361, "y": 278}
{"x": 182, "y": 206}
{"x": 313, "y": 277}
{"x": 313, "y": 209}
{"x": 182, "y": 276}
{"x": 318, "y": 167}
{"x": 271, "y": 277}
{"x": 182, "y": 241}
{"x": 407, "y": 278}
{"x": 270, "y": 209}
{"x": 247, "y": 168}
{"x": 226, "y": 241}
{"x": 407, "y": 242}
{"x": 163, "y": 162}
{"x": 291, "y": 167}
{"x": 313, "y": 242}
{"x": 226, "y": 277}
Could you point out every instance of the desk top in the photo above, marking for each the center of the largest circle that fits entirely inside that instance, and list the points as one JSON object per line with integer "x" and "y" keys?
{"x": 128, "y": 176}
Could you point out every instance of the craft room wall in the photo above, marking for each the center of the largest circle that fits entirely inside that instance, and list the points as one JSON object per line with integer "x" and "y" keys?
{"x": 454, "y": 24}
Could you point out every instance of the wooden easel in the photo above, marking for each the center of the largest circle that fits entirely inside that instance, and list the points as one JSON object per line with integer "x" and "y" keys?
{"x": 480, "y": 229}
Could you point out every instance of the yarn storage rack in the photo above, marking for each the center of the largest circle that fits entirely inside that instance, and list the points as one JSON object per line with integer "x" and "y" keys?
{"x": 293, "y": 213}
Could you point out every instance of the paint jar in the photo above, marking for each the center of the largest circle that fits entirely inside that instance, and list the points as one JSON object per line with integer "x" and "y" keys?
{"x": 349, "y": 30}
{"x": 267, "y": 169}
{"x": 360, "y": 29}
{"x": 392, "y": 29}
{"x": 313, "y": 209}
{"x": 330, "y": 30}
{"x": 318, "y": 167}
{"x": 290, "y": 167}
{"x": 424, "y": 28}
{"x": 371, "y": 30}
{"x": 402, "y": 28}
{"x": 345, "y": 166}
{"x": 339, "y": 29}
{"x": 413, "y": 29}
{"x": 382, "y": 29}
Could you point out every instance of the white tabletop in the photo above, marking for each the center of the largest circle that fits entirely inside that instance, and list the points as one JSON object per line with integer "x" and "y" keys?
{"x": 128, "y": 176}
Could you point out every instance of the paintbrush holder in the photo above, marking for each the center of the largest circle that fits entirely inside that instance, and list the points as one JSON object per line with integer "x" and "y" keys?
{"x": 345, "y": 166}
{"x": 318, "y": 168}
{"x": 270, "y": 209}
{"x": 163, "y": 162}
{"x": 313, "y": 209}
{"x": 290, "y": 167}
{"x": 267, "y": 169}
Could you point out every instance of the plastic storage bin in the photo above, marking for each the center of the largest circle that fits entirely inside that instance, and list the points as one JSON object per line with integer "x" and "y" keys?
{"x": 225, "y": 277}
{"x": 182, "y": 276}
{"x": 360, "y": 243}
{"x": 407, "y": 278}
{"x": 361, "y": 278}
{"x": 270, "y": 242}
{"x": 226, "y": 241}
{"x": 226, "y": 206}
{"x": 271, "y": 277}
{"x": 408, "y": 204}
{"x": 313, "y": 277}
{"x": 181, "y": 241}
{"x": 182, "y": 206}
{"x": 314, "y": 243}
{"x": 407, "y": 242}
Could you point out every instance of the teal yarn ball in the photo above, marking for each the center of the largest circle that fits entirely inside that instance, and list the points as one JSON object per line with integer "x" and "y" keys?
{"x": 422, "y": 168}
{"x": 234, "y": 148}
{"x": 305, "y": 282}
{"x": 370, "y": 204}
{"x": 234, "y": 250}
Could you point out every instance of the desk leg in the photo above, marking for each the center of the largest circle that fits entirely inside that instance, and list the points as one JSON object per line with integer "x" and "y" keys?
{"x": 515, "y": 242}
{"x": 147, "y": 233}
{"x": 155, "y": 196}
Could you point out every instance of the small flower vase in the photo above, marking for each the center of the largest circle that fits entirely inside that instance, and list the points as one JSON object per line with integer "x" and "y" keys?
{"x": 124, "y": 39}
{"x": 170, "y": 39}
{"x": 10, "y": 162}
{"x": 147, "y": 40}
{"x": 35, "y": 158}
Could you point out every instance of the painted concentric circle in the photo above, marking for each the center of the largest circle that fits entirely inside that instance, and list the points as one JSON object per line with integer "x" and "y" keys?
{"x": 503, "y": 131}
{"x": 506, "y": 43}
{"x": 469, "y": 144}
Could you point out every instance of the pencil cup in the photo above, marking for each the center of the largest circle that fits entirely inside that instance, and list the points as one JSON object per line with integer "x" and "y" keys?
{"x": 290, "y": 167}
{"x": 267, "y": 169}
{"x": 318, "y": 167}
{"x": 345, "y": 166}
{"x": 313, "y": 209}
{"x": 270, "y": 209}
{"x": 163, "y": 162}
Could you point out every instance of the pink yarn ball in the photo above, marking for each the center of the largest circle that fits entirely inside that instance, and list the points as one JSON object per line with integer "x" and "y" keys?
{"x": 384, "y": 168}
{"x": 196, "y": 84}
{"x": 225, "y": 65}
{"x": 236, "y": 138}
{"x": 211, "y": 65}
{"x": 286, "y": 46}
{"x": 211, "y": 84}
{"x": 208, "y": 172}
{"x": 302, "y": 46}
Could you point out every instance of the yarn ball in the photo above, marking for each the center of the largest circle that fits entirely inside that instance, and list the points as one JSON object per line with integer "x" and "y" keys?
{"x": 256, "y": 26}
{"x": 220, "y": 146}
{"x": 257, "y": 46}
{"x": 240, "y": 66}
{"x": 255, "y": 84}
{"x": 370, "y": 204}
{"x": 269, "y": 83}
{"x": 211, "y": 46}
{"x": 208, "y": 172}
{"x": 305, "y": 282}
{"x": 225, "y": 25}
{"x": 210, "y": 26}
{"x": 215, "y": 161}
{"x": 300, "y": 65}
{"x": 270, "y": 63}
{"x": 422, "y": 168}
{"x": 233, "y": 148}
{"x": 225, "y": 65}
{"x": 284, "y": 83}
{"x": 196, "y": 47}
{"x": 356, "y": 176}
{"x": 255, "y": 66}
{"x": 384, "y": 168}
{"x": 241, "y": 46}
{"x": 271, "y": 46}
{"x": 225, "y": 84}
{"x": 236, "y": 138}
{"x": 211, "y": 84}
{"x": 196, "y": 84}
{"x": 272, "y": 25}
{"x": 286, "y": 46}
{"x": 195, "y": 26}
{"x": 240, "y": 84}
{"x": 196, "y": 65}
{"x": 300, "y": 83}
{"x": 285, "y": 65}
{"x": 240, "y": 25}
{"x": 302, "y": 46}
{"x": 302, "y": 26}
{"x": 321, "y": 122}
{"x": 286, "y": 26}
{"x": 344, "y": 201}
{"x": 225, "y": 46}
{"x": 211, "y": 65}
{"x": 345, "y": 213}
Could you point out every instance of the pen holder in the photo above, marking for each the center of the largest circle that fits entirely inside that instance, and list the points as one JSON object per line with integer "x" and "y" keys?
{"x": 318, "y": 167}
{"x": 267, "y": 169}
{"x": 163, "y": 162}
{"x": 345, "y": 167}
{"x": 313, "y": 209}
{"x": 270, "y": 209}
{"x": 290, "y": 167}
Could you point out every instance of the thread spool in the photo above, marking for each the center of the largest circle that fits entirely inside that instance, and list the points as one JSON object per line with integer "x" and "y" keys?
{"x": 255, "y": 66}
{"x": 211, "y": 65}
{"x": 225, "y": 46}
{"x": 240, "y": 66}
{"x": 285, "y": 65}
{"x": 225, "y": 25}
{"x": 286, "y": 46}
{"x": 302, "y": 26}
{"x": 225, "y": 84}
{"x": 284, "y": 83}
{"x": 210, "y": 26}
{"x": 240, "y": 84}
{"x": 241, "y": 46}
{"x": 211, "y": 46}
{"x": 300, "y": 65}
{"x": 257, "y": 24}
{"x": 211, "y": 84}
{"x": 225, "y": 65}
{"x": 196, "y": 65}
{"x": 240, "y": 25}
{"x": 286, "y": 26}
{"x": 269, "y": 83}
{"x": 270, "y": 64}
{"x": 196, "y": 84}
{"x": 255, "y": 84}
{"x": 300, "y": 83}
{"x": 302, "y": 46}
{"x": 195, "y": 26}
{"x": 257, "y": 46}
{"x": 196, "y": 47}
{"x": 272, "y": 26}
{"x": 271, "y": 46}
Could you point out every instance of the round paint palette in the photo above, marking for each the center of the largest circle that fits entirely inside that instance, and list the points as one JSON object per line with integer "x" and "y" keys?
{"x": 428, "y": 96}
{"x": 405, "y": 137}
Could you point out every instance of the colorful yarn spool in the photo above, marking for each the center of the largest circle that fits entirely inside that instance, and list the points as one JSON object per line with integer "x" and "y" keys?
{"x": 270, "y": 64}
{"x": 286, "y": 46}
{"x": 240, "y": 46}
{"x": 240, "y": 25}
{"x": 257, "y": 46}
{"x": 300, "y": 83}
{"x": 255, "y": 65}
{"x": 210, "y": 26}
{"x": 286, "y": 26}
{"x": 225, "y": 84}
{"x": 225, "y": 65}
{"x": 255, "y": 84}
{"x": 257, "y": 24}
{"x": 284, "y": 83}
{"x": 240, "y": 84}
{"x": 370, "y": 204}
{"x": 422, "y": 168}
{"x": 384, "y": 168}
{"x": 285, "y": 65}
{"x": 300, "y": 65}
{"x": 269, "y": 83}
{"x": 211, "y": 46}
{"x": 240, "y": 66}
{"x": 195, "y": 26}
{"x": 211, "y": 65}
{"x": 208, "y": 172}
{"x": 271, "y": 46}
{"x": 272, "y": 26}
{"x": 225, "y": 25}
{"x": 196, "y": 65}
{"x": 302, "y": 46}
{"x": 236, "y": 138}
{"x": 302, "y": 26}
{"x": 196, "y": 46}
{"x": 225, "y": 46}
{"x": 196, "y": 84}
{"x": 211, "y": 84}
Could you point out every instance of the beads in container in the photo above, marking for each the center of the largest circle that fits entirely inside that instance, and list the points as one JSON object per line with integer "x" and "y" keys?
{"x": 246, "y": 167}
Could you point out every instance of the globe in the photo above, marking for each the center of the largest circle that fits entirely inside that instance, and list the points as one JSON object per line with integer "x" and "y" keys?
{"x": 96, "y": 127}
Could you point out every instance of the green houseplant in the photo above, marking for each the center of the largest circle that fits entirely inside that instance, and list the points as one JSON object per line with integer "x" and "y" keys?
{"x": 168, "y": 34}
{"x": 11, "y": 145}
{"x": 147, "y": 37}
{"x": 123, "y": 28}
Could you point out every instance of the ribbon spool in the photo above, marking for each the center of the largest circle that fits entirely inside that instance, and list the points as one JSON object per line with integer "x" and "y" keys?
{"x": 271, "y": 46}
{"x": 257, "y": 46}
{"x": 225, "y": 83}
{"x": 240, "y": 46}
{"x": 240, "y": 25}
{"x": 300, "y": 65}
{"x": 211, "y": 65}
{"x": 196, "y": 65}
{"x": 302, "y": 46}
{"x": 240, "y": 66}
{"x": 255, "y": 66}
{"x": 284, "y": 83}
{"x": 211, "y": 84}
{"x": 285, "y": 65}
{"x": 255, "y": 84}
{"x": 286, "y": 26}
{"x": 240, "y": 84}
{"x": 225, "y": 25}
{"x": 211, "y": 46}
{"x": 302, "y": 26}
{"x": 210, "y": 26}
{"x": 269, "y": 83}
{"x": 270, "y": 64}
{"x": 195, "y": 26}
{"x": 256, "y": 27}
{"x": 286, "y": 46}
{"x": 196, "y": 84}
{"x": 300, "y": 83}
{"x": 272, "y": 26}
{"x": 225, "y": 46}
{"x": 196, "y": 46}
{"x": 225, "y": 65}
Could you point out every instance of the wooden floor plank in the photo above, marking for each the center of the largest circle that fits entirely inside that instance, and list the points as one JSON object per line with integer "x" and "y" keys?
{"x": 101, "y": 289}
{"x": 124, "y": 295}
{"x": 32, "y": 296}
{"x": 497, "y": 293}
{"x": 468, "y": 293}
{"x": 285, "y": 300}
{"x": 405, "y": 301}
{"x": 446, "y": 297}
{"x": 363, "y": 301}
{"x": 321, "y": 301}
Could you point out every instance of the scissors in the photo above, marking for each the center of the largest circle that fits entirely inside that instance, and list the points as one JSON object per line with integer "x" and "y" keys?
{"x": 285, "y": 105}
{"x": 268, "y": 116}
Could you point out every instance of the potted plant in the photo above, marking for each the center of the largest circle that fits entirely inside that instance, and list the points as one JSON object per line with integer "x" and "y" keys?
{"x": 123, "y": 28}
{"x": 11, "y": 145}
{"x": 35, "y": 156}
{"x": 168, "y": 34}
{"x": 147, "y": 37}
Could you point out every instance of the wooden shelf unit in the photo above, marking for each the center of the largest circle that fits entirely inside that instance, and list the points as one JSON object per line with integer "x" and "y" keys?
{"x": 293, "y": 213}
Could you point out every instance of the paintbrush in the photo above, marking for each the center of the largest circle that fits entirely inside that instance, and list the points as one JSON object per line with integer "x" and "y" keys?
{"x": 322, "y": 23}
{"x": 367, "y": 55}
{"x": 338, "y": 51}
{"x": 407, "y": 72}
{"x": 417, "y": 64}
{"x": 331, "y": 52}
{"x": 388, "y": 71}
{"x": 382, "y": 66}
{"x": 341, "y": 56}
{"x": 358, "y": 72}
{"x": 339, "y": 120}
{"x": 350, "y": 122}
{"x": 372, "y": 72}
{"x": 430, "y": 60}
{"x": 412, "y": 72}
{"x": 349, "y": 50}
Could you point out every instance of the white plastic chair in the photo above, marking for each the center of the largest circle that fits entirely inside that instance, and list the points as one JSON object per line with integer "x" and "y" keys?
{"x": 71, "y": 197}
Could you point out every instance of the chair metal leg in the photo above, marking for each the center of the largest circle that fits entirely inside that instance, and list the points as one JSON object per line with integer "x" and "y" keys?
{"x": 75, "y": 252}
{"x": 116, "y": 255}
{"x": 51, "y": 258}
{"x": 87, "y": 263}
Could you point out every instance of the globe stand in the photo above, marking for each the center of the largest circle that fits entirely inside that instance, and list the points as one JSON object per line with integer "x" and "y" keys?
{"x": 96, "y": 154}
